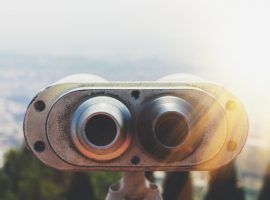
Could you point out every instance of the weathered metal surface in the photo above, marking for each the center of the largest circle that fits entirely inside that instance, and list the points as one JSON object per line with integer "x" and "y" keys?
{"x": 216, "y": 120}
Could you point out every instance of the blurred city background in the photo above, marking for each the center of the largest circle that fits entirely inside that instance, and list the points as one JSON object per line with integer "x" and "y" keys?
{"x": 42, "y": 41}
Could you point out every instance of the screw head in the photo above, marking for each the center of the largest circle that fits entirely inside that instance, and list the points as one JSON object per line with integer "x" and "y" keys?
{"x": 39, "y": 106}
{"x": 39, "y": 146}
{"x": 135, "y": 160}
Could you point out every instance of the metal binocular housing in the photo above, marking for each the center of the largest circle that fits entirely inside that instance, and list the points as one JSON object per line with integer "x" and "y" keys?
{"x": 179, "y": 122}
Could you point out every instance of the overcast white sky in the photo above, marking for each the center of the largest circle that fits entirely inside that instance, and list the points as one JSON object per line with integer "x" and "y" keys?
{"x": 198, "y": 32}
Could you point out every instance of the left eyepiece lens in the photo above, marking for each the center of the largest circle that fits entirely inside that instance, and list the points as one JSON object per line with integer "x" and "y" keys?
{"x": 101, "y": 128}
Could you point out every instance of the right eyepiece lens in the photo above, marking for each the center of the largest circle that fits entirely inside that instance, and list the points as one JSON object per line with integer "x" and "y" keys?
{"x": 165, "y": 126}
{"x": 171, "y": 129}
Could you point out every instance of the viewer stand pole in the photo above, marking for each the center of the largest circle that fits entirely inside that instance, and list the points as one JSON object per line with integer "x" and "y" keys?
{"x": 134, "y": 186}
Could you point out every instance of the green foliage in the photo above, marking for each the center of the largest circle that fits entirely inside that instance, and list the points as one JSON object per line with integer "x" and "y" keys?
{"x": 25, "y": 177}
{"x": 177, "y": 185}
{"x": 224, "y": 184}
{"x": 265, "y": 192}
{"x": 103, "y": 180}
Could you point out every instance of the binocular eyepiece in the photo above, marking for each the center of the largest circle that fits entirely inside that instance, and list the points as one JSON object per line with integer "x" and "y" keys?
{"x": 100, "y": 128}
{"x": 87, "y": 123}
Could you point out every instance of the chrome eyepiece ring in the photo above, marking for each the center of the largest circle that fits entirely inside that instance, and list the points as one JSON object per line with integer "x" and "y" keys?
{"x": 100, "y": 128}
{"x": 165, "y": 126}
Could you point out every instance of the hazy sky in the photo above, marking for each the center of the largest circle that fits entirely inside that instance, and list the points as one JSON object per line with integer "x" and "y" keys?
{"x": 229, "y": 36}
{"x": 205, "y": 33}
{"x": 228, "y": 40}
